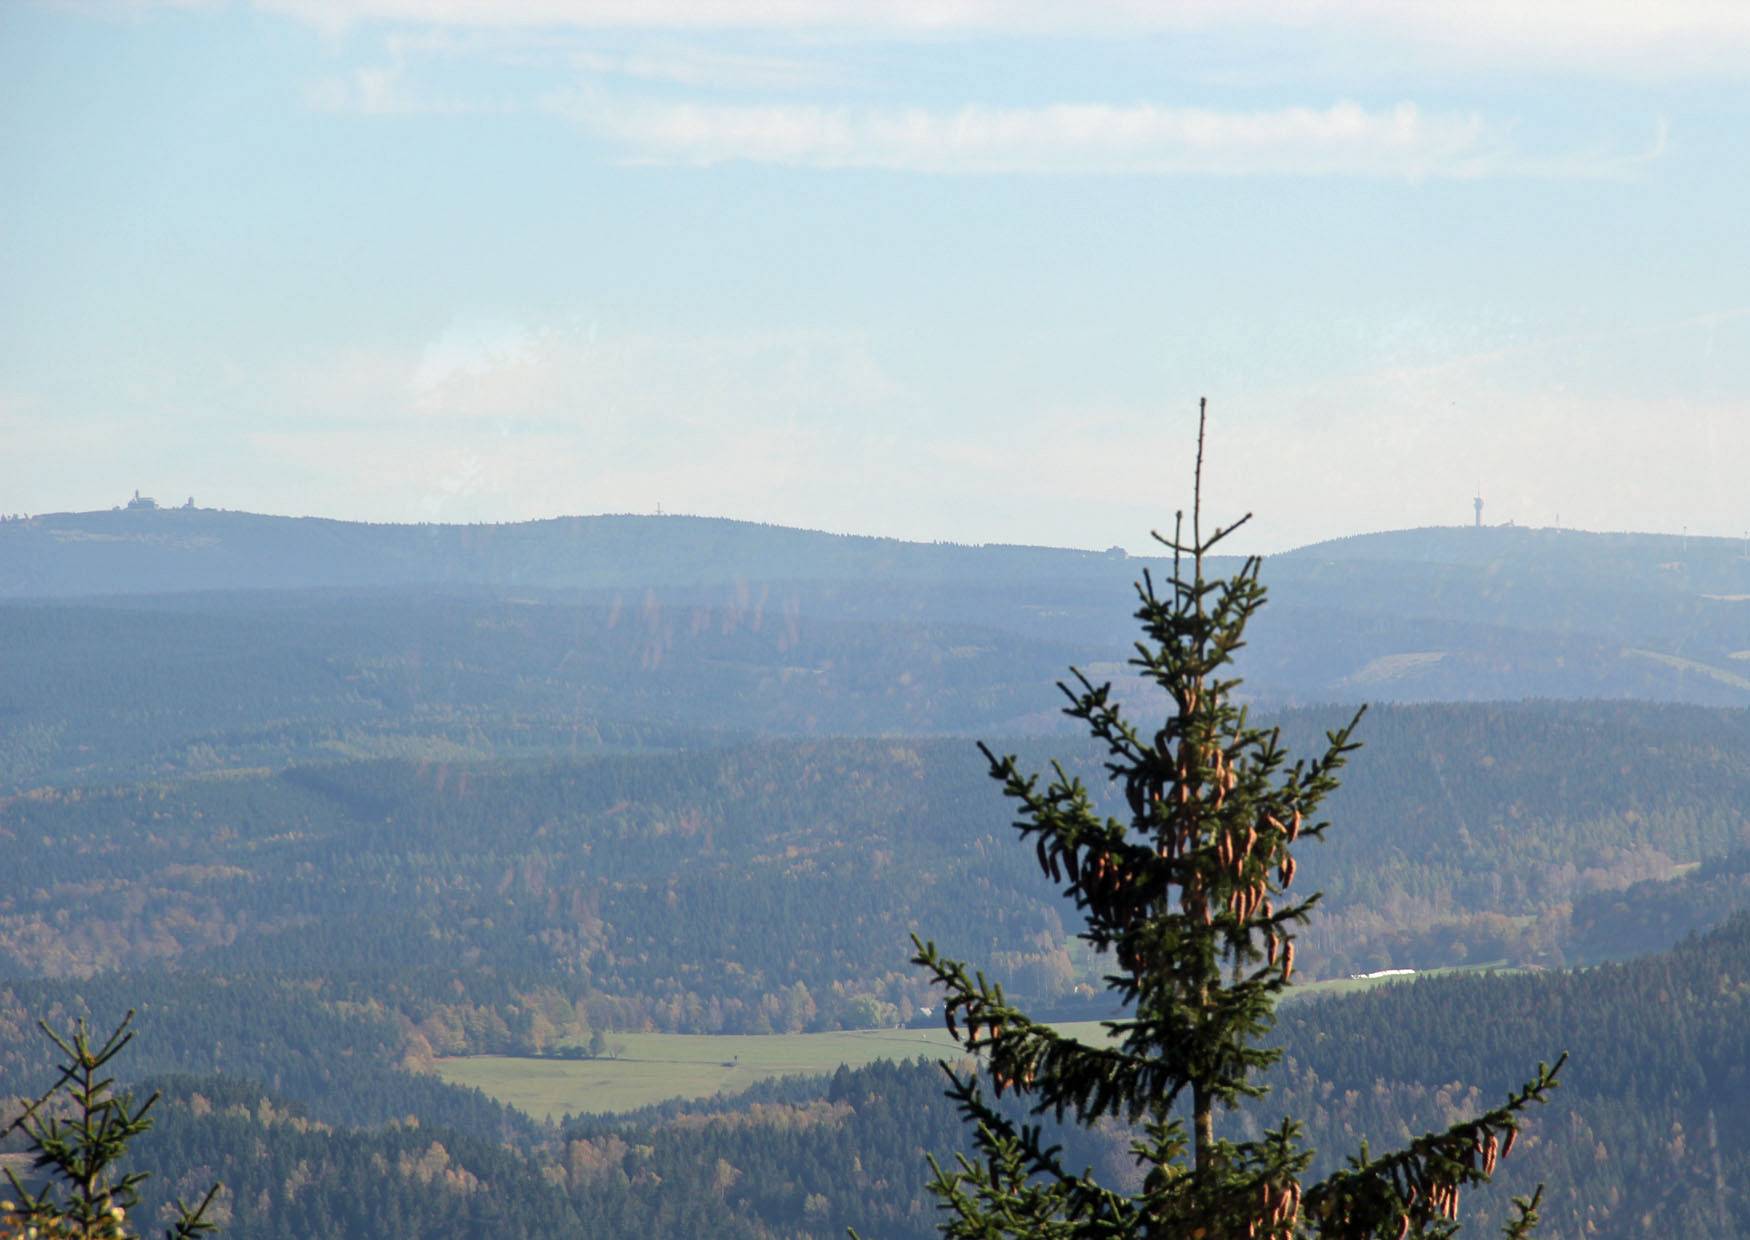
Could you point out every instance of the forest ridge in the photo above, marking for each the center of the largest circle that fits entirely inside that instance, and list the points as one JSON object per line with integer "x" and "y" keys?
{"x": 331, "y": 803}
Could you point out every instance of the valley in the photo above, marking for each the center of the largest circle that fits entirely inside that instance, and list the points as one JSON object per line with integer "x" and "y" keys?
{"x": 565, "y": 883}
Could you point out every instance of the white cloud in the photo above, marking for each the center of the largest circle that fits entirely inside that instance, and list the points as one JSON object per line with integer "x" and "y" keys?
{"x": 1676, "y": 36}
{"x": 469, "y": 351}
{"x": 410, "y": 78}
{"x": 1343, "y": 138}
{"x": 390, "y": 89}
{"x": 375, "y": 90}
{"x": 704, "y": 69}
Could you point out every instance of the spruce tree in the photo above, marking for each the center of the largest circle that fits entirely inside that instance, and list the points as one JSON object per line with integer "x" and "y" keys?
{"x": 78, "y": 1133}
{"x": 1192, "y": 896}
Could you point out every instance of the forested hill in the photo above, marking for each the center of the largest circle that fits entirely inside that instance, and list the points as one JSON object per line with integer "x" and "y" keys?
{"x": 1653, "y": 590}
{"x": 171, "y": 550}
{"x": 156, "y": 551}
{"x": 1412, "y": 615}
{"x": 774, "y": 885}
{"x": 315, "y": 1132}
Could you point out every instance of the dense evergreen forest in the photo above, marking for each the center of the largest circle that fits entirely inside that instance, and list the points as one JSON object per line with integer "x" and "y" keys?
{"x": 322, "y": 833}
{"x": 1644, "y": 1138}
{"x": 301, "y": 943}
{"x": 1640, "y": 1140}
{"x": 770, "y": 886}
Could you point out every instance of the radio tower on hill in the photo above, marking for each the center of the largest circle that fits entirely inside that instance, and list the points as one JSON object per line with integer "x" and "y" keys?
{"x": 1478, "y": 501}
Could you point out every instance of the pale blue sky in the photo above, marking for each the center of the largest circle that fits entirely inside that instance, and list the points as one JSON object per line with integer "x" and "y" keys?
{"x": 954, "y": 270}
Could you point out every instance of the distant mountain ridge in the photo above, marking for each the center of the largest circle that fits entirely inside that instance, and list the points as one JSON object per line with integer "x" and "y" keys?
{"x": 1444, "y": 613}
{"x": 1712, "y": 558}
{"x": 169, "y": 550}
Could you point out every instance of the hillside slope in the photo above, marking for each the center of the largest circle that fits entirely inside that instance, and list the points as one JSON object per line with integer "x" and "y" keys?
{"x": 1445, "y": 614}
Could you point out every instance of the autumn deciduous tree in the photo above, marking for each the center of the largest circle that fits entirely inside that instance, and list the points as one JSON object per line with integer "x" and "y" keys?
{"x": 1191, "y": 894}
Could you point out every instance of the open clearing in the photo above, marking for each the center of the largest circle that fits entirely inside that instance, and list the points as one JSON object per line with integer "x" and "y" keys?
{"x": 657, "y": 1067}
{"x": 1388, "y": 667}
{"x": 1690, "y": 665}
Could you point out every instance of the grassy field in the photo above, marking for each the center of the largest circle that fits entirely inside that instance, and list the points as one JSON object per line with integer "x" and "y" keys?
{"x": 1352, "y": 985}
{"x": 655, "y": 1067}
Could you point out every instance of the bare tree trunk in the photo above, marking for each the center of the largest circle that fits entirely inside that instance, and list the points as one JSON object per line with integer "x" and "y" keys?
{"x": 1205, "y": 1125}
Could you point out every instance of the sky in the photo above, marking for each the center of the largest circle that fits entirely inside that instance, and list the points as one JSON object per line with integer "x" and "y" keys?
{"x": 953, "y": 270}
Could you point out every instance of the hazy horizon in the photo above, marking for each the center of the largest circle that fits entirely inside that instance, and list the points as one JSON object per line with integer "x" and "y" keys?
{"x": 959, "y": 274}
{"x": 1145, "y": 547}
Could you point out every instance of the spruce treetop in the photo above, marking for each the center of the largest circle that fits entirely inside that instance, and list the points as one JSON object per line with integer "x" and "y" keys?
{"x": 1191, "y": 897}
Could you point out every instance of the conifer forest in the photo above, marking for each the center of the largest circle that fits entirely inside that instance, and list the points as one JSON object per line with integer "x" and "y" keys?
{"x": 331, "y": 843}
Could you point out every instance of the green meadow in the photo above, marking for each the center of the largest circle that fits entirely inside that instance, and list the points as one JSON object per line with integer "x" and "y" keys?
{"x": 657, "y": 1067}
